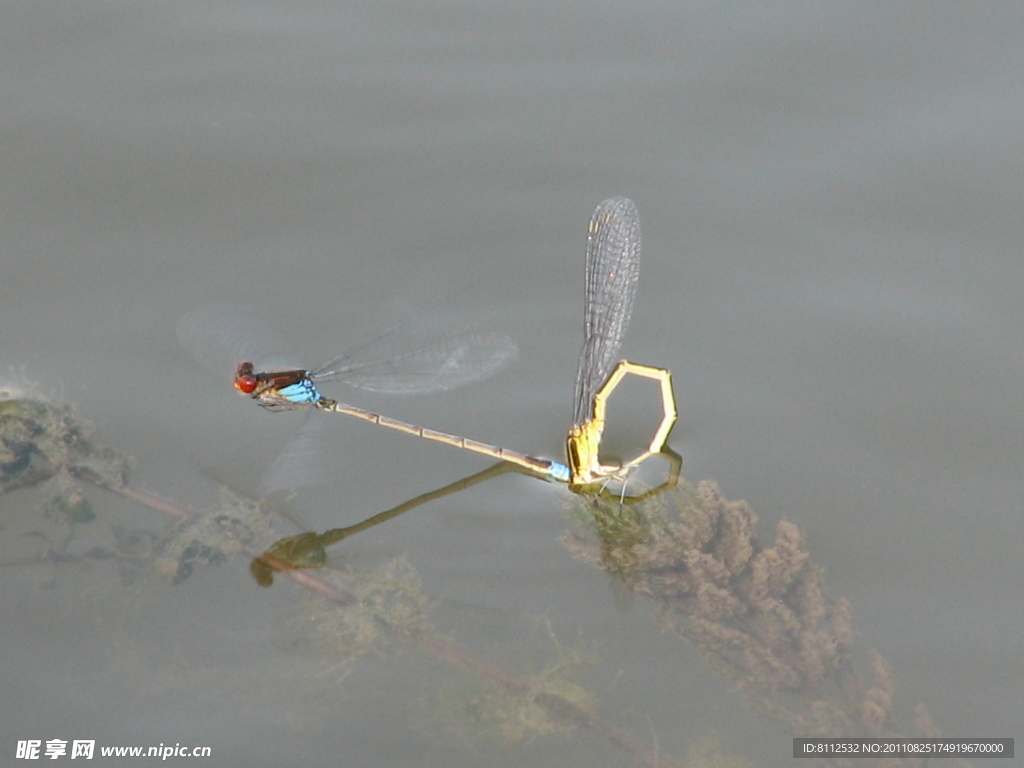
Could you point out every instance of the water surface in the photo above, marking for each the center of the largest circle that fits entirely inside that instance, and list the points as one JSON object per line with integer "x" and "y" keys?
{"x": 830, "y": 202}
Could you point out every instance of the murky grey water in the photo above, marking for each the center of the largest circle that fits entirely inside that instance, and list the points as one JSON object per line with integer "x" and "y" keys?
{"x": 831, "y": 208}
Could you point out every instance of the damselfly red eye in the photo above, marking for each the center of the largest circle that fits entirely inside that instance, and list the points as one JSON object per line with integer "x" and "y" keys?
{"x": 245, "y": 378}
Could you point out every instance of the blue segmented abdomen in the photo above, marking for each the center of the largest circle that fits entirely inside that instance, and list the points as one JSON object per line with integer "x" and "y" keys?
{"x": 560, "y": 472}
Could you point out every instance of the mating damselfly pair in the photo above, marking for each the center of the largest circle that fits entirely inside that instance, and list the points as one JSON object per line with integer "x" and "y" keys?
{"x": 612, "y": 272}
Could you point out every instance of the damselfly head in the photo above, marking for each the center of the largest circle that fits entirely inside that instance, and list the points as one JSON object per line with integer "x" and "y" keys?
{"x": 245, "y": 378}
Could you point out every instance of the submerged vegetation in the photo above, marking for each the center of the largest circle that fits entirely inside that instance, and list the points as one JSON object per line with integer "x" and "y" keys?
{"x": 758, "y": 614}
{"x": 756, "y": 611}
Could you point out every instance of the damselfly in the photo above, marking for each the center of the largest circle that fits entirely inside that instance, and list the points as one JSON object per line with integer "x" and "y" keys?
{"x": 612, "y": 271}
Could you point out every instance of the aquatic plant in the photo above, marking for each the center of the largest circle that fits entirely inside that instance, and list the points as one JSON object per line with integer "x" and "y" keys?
{"x": 757, "y": 612}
